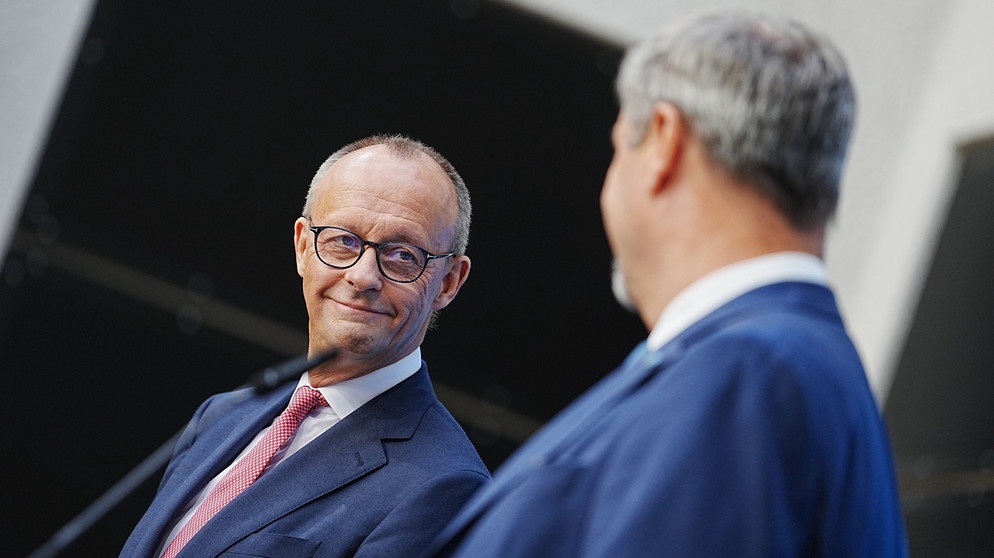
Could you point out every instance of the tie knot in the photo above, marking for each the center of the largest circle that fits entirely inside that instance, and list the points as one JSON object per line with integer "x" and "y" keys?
{"x": 303, "y": 400}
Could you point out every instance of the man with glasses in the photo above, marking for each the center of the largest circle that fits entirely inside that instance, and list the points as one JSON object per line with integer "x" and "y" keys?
{"x": 369, "y": 463}
{"x": 744, "y": 425}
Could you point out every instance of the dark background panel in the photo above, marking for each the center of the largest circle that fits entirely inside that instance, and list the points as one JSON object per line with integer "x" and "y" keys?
{"x": 153, "y": 264}
{"x": 940, "y": 409}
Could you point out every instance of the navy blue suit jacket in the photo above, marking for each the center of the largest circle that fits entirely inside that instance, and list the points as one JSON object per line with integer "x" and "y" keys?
{"x": 752, "y": 434}
{"x": 384, "y": 480}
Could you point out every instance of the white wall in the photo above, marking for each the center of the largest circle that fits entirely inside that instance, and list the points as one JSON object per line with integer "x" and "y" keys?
{"x": 38, "y": 44}
{"x": 955, "y": 107}
{"x": 925, "y": 86}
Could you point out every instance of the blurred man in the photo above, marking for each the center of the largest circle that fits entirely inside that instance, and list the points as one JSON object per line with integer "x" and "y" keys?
{"x": 744, "y": 425}
{"x": 363, "y": 460}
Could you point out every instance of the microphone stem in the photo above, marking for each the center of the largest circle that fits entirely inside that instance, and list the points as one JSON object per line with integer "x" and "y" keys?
{"x": 262, "y": 382}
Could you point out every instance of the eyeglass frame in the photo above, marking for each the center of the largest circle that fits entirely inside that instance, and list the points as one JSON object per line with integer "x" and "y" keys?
{"x": 316, "y": 229}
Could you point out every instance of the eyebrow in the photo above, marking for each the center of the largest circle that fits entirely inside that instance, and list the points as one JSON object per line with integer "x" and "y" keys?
{"x": 402, "y": 237}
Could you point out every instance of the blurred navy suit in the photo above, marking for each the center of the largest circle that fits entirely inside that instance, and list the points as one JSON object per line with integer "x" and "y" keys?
{"x": 752, "y": 434}
{"x": 382, "y": 481}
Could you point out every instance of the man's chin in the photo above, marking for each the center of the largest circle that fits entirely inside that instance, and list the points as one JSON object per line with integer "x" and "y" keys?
{"x": 352, "y": 339}
{"x": 360, "y": 345}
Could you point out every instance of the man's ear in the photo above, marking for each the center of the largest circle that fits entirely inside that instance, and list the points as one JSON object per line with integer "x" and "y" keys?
{"x": 452, "y": 282}
{"x": 300, "y": 235}
{"x": 666, "y": 134}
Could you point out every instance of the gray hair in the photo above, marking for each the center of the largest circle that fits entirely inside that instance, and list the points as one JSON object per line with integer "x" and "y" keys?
{"x": 770, "y": 101}
{"x": 405, "y": 147}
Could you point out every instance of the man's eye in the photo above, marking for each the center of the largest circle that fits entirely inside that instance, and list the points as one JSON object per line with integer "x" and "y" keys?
{"x": 346, "y": 241}
{"x": 400, "y": 253}
{"x": 339, "y": 242}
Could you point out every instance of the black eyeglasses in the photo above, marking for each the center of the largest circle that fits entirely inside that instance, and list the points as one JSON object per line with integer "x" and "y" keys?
{"x": 398, "y": 261}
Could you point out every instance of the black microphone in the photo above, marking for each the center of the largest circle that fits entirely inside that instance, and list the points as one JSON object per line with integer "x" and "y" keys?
{"x": 279, "y": 374}
{"x": 261, "y": 382}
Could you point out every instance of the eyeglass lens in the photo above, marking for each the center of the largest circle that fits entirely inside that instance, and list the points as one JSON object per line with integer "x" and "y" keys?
{"x": 398, "y": 261}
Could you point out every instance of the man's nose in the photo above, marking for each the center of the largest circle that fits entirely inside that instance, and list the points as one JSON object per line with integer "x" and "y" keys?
{"x": 365, "y": 274}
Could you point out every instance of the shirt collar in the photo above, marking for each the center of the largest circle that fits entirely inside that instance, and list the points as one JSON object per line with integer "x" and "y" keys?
{"x": 717, "y": 288}
{"x": 347, "y": 396}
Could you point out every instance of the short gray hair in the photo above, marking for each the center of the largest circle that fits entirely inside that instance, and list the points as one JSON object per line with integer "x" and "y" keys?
{"x": 405, "y": 147}
{"x": 770, "y": 100}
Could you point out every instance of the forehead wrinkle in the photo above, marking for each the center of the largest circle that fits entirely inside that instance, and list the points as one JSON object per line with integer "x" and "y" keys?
{"x": 381, "y": 215}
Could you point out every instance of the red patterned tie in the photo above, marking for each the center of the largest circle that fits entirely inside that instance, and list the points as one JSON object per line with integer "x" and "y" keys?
{"x": 248, "y": 469}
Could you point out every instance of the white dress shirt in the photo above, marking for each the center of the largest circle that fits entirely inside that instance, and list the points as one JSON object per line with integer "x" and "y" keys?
{"x": 343, "y": 398}
{"x": 719, "y": 287}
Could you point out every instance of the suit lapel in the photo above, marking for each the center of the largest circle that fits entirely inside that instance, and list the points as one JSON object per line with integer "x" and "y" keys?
{"x": 347, "y": 451}
{"x": 232, "y": 425}
{"x": 223, "y": 440}
{"x": 641, "y": 366}
{"x": 565, "y": 429}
